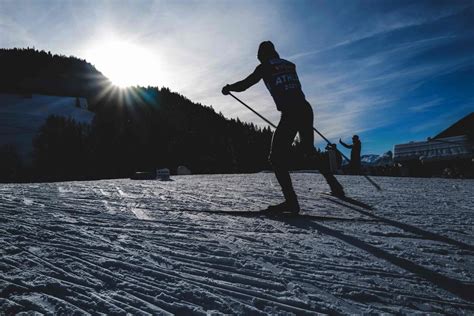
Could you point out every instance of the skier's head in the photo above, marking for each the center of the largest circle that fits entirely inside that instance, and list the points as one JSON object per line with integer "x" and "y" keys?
{"x": 266, "y": 51}
{"x": 355, "y": 138}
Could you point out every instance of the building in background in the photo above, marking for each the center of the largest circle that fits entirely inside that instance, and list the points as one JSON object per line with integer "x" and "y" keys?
{"x": 450, "y": 153}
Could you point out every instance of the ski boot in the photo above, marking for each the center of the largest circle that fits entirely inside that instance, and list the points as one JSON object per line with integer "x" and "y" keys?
{"x": 289, "y": 206}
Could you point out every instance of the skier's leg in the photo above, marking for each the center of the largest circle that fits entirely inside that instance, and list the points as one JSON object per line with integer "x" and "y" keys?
{"x": 334, "y": 185}
{"x": 279, "y": 155}
{"x": 305, "y": 129}
{"x": 307, "y": 140}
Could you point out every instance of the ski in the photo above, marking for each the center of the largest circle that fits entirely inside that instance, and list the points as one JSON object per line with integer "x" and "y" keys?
{"x": 348, "y": 200}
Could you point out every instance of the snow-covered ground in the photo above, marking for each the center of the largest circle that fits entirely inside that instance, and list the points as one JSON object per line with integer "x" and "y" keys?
{"x": 123, "y": 246}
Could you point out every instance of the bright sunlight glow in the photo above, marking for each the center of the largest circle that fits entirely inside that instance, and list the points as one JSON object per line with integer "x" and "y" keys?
{"x": 124, "y": 63}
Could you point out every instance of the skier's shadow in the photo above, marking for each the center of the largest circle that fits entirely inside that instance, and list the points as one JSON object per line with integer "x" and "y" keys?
{"x": 458, "y": 288}
{"x": 408, "y": 228}
{"x": 284, "y": 216}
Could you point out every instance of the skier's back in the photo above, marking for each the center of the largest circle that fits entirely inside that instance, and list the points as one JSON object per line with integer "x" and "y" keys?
{"x": 282, "y": 82}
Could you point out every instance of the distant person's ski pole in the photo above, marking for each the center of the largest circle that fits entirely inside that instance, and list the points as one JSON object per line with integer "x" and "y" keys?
{"x": 317, "y": 132}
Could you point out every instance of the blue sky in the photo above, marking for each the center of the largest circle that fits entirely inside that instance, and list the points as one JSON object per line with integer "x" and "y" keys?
{"x": 390, "y": 71}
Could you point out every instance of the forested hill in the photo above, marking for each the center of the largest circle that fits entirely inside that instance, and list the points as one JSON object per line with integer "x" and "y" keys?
{"x": 31, "y": 71}
{"x": 134, "y": 129}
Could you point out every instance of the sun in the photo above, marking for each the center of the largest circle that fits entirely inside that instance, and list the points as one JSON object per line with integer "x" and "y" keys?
{"x": 125, "y": 63}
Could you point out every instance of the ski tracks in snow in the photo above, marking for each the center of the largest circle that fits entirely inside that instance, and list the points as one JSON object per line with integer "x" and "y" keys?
{"x": 122, "y": 246}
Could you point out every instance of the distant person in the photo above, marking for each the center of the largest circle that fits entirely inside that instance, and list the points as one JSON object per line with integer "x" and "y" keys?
{"x": 354, "y": 165}
{"x": 282, "y": 82}
{"x": 335, "y": 158}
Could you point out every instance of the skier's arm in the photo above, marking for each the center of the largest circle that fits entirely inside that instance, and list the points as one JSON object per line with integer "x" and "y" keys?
{"x": 344, "y": 144}
{"x": 243, "y": 85}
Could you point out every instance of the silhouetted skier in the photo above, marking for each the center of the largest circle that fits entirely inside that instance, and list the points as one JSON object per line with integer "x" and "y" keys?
{"x": 283, "y": 84}
{"x": 354, "y": 164}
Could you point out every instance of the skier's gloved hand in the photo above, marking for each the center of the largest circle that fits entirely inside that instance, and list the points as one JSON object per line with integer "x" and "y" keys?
{"x": 226, "y": 89}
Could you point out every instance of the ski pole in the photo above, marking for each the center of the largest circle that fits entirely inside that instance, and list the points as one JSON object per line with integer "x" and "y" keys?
{"x": 322, "y": 136}
{"x": 248, "y": 107}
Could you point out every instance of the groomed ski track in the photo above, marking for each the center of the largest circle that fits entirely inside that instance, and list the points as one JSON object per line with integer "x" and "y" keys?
{"x": 150, "y": 247}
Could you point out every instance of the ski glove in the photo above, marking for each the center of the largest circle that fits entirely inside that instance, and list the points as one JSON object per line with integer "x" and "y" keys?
{"x": 226, "y": 89}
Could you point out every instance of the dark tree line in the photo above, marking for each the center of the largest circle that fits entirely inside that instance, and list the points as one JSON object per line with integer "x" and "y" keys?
{"x": 154, "y": 129}
{"x": 150, "y": 128}
{"x": 26, "y": 70}
{"x": 11, "y": 167}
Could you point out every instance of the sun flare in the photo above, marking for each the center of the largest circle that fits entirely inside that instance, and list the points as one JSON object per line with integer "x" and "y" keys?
{"x": 124, "y": 63}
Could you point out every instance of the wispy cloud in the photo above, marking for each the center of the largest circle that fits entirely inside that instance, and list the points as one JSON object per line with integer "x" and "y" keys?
{"x": 423, "y": 107}
{"x": 365, "y": 67}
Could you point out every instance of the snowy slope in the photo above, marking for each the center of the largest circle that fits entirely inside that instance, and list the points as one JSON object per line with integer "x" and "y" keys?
{"x": 377, "y": 160}
{"x": 22, "y": 117}
{"x": 122, "y": 246}
{"x": 369, "y": 159}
